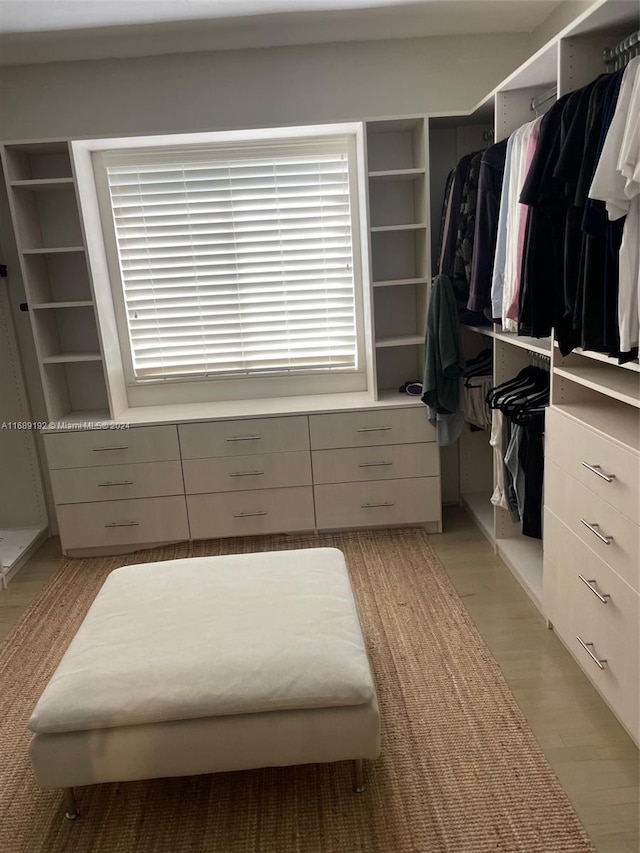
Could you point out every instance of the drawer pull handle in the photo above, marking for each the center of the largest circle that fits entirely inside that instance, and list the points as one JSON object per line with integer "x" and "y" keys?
{"x": 123, "y": 524}
{"x": 113, "y": 447}
{"x": 373, "y": 464}
{"x": 587, "y": 647}
{"x": 591, "y": 584}
{"x": 370, "y": 506}
{"x": 246, "y": 473}
{"x": 593, "y": 527}
{"x": 244, "y": 438}
{"x": 117, "y": 483}
{"x": 596, "y": 469}
{"x": 373, "y": 429}
{"x": 249, "y": 514}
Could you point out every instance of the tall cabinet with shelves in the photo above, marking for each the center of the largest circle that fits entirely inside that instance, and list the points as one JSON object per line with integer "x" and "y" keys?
{"x": 583, "y": 576}
{"x": 50, "y": 243}
{"x": 399, "y": 251}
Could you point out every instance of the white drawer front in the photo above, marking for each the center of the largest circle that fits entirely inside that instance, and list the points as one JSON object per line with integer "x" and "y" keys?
{"x": 104, "y": 523}
{"x": 251, "y": 513}
{"x": 384, "y": 462}
{"x": 573, "y": 448}
{"x": 610, "y": 534}
{"x": 364, "y": 429}
{"x": 113, "y": 482}
{"x": 609, "y": 631}
{"x": 111, "y": 447}
{"x": 240, "y": 473}
{"x": 378, "y": 503}
{"x": 243, "y": 437}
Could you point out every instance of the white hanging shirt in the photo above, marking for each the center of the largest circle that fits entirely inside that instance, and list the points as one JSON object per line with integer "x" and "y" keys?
{"x": 617, "y": 182}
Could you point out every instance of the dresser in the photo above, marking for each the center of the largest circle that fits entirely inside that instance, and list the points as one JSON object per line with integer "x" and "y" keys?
{"x": 591, "y": 581}
{"x": 121, "y": 490}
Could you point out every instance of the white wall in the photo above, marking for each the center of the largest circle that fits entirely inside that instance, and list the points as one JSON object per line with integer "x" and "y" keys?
{"x": 253, "y": 88}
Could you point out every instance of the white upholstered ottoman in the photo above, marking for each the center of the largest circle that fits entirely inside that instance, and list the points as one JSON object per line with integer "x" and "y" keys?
{"x": 210, "y": 664}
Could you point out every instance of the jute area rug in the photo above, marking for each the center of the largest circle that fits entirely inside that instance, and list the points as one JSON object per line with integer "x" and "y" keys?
{"x": 460, "y": 770}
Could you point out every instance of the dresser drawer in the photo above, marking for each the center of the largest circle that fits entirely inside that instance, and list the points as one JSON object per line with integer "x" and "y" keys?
{"x": 113, "y": 482}
{"x": 590, "y": 458}
{"x": 241, "y": 473}
{"x": 609, "y": 630}
{"x": 578, "y": 507}
{"x": 364, "y": 429}
{"x": 378, "y": 503}
{"x": 104, "y": 523}
{"x": 389, "y": 462}
{"x": 242, "y": 437}
{"x": 111, "y": 447}
{"x": 251, "y": 513}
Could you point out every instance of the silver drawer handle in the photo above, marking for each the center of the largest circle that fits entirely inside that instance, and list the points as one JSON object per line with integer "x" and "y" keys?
{"x": 113, "y": 447}
{"x": 117, "y": 483}
{"x": 246, "y": 473}
{"x": 373, "y": 429}
{"x": 591, "y": 584}
{"x": 587, "y": 647}
{"x": 249, "y": 514}
{"x": 123, "y": 524}
{"x": 593, "y": 527}
{"x": 596, "y": 469}
{"x": 369, "y": 506}
{"x": 373, "y": 464}
{"x": 244, "y": 438}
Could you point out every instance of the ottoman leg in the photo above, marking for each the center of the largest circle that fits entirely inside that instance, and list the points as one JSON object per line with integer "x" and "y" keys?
{"x": 358, "y": 776}
{"x": 72, "y": 807}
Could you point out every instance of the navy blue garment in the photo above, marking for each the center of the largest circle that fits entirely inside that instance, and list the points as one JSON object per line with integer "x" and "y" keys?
{"x": 486, "y": 228}
{"x": 541, "y": 299}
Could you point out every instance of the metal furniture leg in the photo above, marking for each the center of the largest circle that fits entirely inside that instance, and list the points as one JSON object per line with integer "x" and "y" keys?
{"x": 358, "y": 776}
{"x": 72, "y": 807}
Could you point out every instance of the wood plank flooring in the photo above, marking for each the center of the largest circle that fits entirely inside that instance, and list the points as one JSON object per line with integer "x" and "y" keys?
{"x": 594, "y": 758}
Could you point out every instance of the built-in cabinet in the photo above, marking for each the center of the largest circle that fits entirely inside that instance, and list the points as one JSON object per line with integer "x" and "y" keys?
{"x": 121, "y": 490}
{"x": 23, "y": 517}
{"x": 399, "y": 247}
{"x": 583, "y": 575}
{"x": 76, "y": 366}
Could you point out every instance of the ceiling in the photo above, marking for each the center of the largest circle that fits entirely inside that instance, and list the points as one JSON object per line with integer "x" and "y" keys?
{"x": 54, "y": 30}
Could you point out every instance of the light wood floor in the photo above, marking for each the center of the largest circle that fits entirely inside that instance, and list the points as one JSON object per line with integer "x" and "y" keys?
{"x": 592, "y": 755}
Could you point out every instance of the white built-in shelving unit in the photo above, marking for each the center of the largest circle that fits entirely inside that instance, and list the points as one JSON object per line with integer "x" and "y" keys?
{"x": 568, "y": 62}
{"x": 51, "y": 248}
{"x": 399, "y": 250}
{"x": 593, "y": 437}
{"x": 23, "y": 517}
{"x": 74, "y": 361}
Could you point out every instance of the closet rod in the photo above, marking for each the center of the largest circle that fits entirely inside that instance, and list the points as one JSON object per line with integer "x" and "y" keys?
{"x": 550, "y": 94}
{"x": 617, "y": 57}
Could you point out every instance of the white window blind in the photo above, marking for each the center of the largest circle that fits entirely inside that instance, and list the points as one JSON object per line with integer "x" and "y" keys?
{"x": 236, "y": 263}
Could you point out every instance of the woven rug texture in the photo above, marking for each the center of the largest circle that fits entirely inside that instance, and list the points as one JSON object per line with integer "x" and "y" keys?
{"x": 460, "y": 770}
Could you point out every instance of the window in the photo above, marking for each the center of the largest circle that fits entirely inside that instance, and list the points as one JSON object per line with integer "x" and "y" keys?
{"x": 235, "y": 261}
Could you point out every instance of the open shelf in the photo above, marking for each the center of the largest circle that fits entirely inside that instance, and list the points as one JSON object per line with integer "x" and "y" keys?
{"x": 53, "y": 250}
{"x": 40, "y": 306}
{"x": 524, "y": 557}
{"x": 43, "y": 184}
{"x": 397, "y": 174}
{"x": 634, "y": 366}
{"x": 542, "y": 346}
{"x": 68, "y": 357}
{"x": 400, "y": 341}
{"x": 412, "y": 226}
{"x": 34, "y": 161}
{"x": 479, "y": 506}
{"x": 619, "y": 384}
{"x": 399, "y": 282}
{"x": 487, "y": 331}
{"x": 16, "y": 546}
